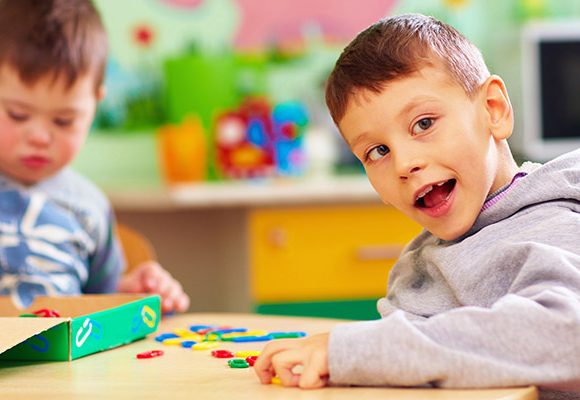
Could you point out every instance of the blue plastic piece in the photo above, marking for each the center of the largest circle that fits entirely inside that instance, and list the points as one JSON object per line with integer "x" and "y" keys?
{"x": 195, "y": 328}
{"x": 252, "y": 338}
{"x": 163, "y": 336}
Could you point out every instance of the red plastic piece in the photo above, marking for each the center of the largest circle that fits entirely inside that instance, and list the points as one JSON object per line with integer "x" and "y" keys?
{"x": 46, "y": 313}
{"x": 150, "y": 354}
{"x": 222, "y": 354}
{"x": 251, "y": 360}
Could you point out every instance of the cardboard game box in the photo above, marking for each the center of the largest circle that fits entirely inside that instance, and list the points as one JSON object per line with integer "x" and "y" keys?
{"x": 88, "y": 324}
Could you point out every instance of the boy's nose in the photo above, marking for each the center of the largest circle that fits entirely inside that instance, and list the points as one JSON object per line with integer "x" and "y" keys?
{"x": 39, "y": 136}
{"x": 409, "y": 166}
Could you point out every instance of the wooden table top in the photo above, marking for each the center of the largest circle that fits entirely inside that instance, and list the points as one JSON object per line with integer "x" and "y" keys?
{"x": 187, "y": 374}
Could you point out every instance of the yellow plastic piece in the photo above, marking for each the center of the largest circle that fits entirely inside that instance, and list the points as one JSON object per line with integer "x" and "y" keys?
{"x": 247, "y": 353}
{"x": 173, "y": 341}
{"x": 276, "y": 380}
{"x": 183, "y": 332}
{"x": 205, "y": 345}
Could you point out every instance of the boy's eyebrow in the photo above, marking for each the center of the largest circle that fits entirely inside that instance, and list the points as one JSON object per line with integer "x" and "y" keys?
{"x": 414, "y": 102}
{"x": 15, "y": 103}
{"x": 18, "y": 103}
{"x": 67, "y": 110}
{"x": 358, "y": 139}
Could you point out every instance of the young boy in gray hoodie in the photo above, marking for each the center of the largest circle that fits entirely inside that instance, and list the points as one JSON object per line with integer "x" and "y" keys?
{"x": 488, "y": 295}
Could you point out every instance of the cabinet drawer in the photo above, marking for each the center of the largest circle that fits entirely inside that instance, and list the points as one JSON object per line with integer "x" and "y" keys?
{"x": 325, "y": 253}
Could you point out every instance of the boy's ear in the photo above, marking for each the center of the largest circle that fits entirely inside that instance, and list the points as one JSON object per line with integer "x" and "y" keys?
{"x": 101, "y": 92}
{"x": 499, "y": 108}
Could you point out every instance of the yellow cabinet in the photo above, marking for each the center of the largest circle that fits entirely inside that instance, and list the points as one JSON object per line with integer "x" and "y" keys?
{"x": 326, "y": 253}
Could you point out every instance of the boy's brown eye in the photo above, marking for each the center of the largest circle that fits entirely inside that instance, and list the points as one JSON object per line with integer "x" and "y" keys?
{"x": 422, "y": 125}
{"x": 425, "y": 123}
{"x": 378, "y": 152}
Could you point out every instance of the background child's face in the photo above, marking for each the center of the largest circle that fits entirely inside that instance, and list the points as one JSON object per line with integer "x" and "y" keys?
{"x": 427, "y": 149}
{"x": 43, "y": 126}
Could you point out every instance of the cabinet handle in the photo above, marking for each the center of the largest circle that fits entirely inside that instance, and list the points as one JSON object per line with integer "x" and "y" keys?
{"x": 278, "y": 238}
{"x": 379, "y": 252}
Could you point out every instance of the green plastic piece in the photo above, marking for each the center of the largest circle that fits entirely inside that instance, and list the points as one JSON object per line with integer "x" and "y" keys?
{"x": 238, "y": 363}
{"x": 287, "y": 335}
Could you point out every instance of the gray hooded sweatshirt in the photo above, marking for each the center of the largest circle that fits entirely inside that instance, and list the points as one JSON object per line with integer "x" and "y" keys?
{"x": 498, "y": 307}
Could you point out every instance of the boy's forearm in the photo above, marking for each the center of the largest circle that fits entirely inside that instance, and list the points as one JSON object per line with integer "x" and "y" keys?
{"x": 506, "y": 345}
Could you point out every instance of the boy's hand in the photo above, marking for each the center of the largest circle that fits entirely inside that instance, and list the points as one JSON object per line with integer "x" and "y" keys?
{"x": 279, "y": 358}
{"x": 150, "y": 277}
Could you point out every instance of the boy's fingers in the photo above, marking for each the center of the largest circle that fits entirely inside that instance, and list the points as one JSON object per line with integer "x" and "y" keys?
{"x": 166, "y": 286}
{"x": 150, "y": 272}
{"x": 315, "y": 373}
{"x": 265, "y": 375}
{"x": 263, "y": 366}
{"x": 283, "y": 363}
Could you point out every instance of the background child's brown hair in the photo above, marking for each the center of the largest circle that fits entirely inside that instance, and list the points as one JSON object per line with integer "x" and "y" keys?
{"x": 396, "y": 47}
{"x": 62, "y": 38}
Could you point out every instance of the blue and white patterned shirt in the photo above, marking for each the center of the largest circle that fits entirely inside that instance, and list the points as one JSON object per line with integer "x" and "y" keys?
{"x": 56, "y": 239}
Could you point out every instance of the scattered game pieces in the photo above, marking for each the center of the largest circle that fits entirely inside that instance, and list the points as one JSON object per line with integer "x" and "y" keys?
{"x": 276, "y": 381}
{"x": 222, "y": 354}
{"x": 287, "y": 335}
{"x": 204, "y": 345}
{"x": 164, "y": 336}
{"x": 150, "y": 354}
{"x": 182, "y": 332}
{"x": 251, "y": 360}
{"x": 188, "y": 344}
{"x": 206, "y": 337}
{"x": 46, "y": 313}
{"x": 242, "y": 339}
{"x": 203, "y": 335}
{"x": 173, "y": 341}
{"x": 238, "y": 363}
{"x": 247, "y": 353}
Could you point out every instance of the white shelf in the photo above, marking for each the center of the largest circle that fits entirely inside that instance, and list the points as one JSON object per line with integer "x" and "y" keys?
{"x": 343, "y": 189}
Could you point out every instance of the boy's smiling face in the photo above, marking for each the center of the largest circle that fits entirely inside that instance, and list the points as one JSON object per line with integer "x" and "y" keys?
{"x": 43, "y": 125}
{"x": 428, "y": 148}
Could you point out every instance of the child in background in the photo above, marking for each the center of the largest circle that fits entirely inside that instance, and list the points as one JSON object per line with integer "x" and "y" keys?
{"x": 488, "y": 295}
{"x": 56, "y": 228}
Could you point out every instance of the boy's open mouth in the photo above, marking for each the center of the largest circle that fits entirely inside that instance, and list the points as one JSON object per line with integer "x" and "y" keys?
{"x": 434, "y": 195}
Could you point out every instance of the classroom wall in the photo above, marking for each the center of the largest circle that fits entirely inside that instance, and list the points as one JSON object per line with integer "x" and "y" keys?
{"x": 282, "y": 50}
{"x": 287, "y": 48}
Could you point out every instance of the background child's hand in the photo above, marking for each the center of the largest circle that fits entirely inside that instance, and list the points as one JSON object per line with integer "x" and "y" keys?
{"x": 150, "y": 277}
{"x": 279, "y": 358}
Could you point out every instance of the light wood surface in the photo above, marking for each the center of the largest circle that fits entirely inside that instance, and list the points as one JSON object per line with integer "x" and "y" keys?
{"x": 232, "y": 194}
{"x": 186, "y": 374}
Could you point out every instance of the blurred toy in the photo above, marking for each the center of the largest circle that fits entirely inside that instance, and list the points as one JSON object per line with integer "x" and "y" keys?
{"x": 183, "y": 151}
{"x": 244, "y": 141}
{"x": 256, "y": 141}
{"x": 289, "y": 120}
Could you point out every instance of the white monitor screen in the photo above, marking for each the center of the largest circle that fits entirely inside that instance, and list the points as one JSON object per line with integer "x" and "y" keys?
{"x": 551, "y": 72}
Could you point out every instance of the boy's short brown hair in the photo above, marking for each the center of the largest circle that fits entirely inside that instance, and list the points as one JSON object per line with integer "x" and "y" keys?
{"x": 396, "y": 47}
{"x": 52, "y": 37}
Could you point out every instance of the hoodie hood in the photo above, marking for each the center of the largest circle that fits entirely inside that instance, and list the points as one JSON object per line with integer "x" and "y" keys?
{"x": 556, "y": 181}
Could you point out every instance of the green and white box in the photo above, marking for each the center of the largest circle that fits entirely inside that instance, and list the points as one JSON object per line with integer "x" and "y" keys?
{"x": 88, "y": 324}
